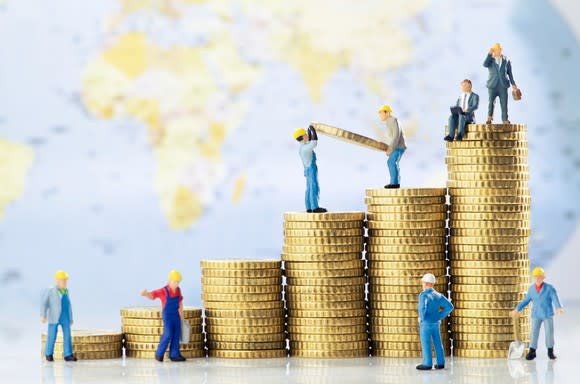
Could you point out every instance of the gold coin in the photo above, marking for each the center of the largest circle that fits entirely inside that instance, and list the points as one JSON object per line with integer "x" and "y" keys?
{"x": 490, "y": 289}
{"x": 491, "y": 200}
{"x": 488, "y": 176}
{"x": 328, "y": 216}
{"x": 243, "y": 273}
{"x": 434, "y": 232}
{"x": 483, "y": 345}
{"x": 395, "y": 353}
{"x": 344, "y": 248}
{"x": 241, "y": 289}
{"x": 480, "y": 353}
{"x": 323, "y": 265}
{"x": 325, "y": 330}
{"x": 493, "y": 280}
{"x": 251, "y": 354}
{"x": 383, "y": 324}
{"x": 485, "y": 152}
{"x": 344, "y": 240}
{"x": 393, "y": 297}
{"x": 153, "y": 330}
{"x": 504, "y": 208}
{"x": 408, "y": 209}
{"x": 151, "y": 354}
{"x": 405, "y": 289}
{"x": 133, "y": 346}
{"x": 489, "y": 272}
{"x": 401, "y": 338}
{"x": 485, "y": 305}
{"x": 398, "y": 313}
{"x": 410, "y": 346}
{"x": 488, "y": 256}
{"x": 406, "y": 192}
{"x": 397, "y": 305}
{"x": 359, "y": 312}
{"x": 483, "y": 330}
{"x": 327, "y": 290}
{"x": 244, "y": 305}
{"x": 318, "y": 225}
{"x": 243, "y": 313}
{"x": 478, "y": 192}
{"x": 409, "y": 200}
{"x": 154, "y": 312}
{"x": 505, "y": 321}
{"x": 350, "y": 137}
{"x": 84, "y": 336}
{"x": 248, "y": 330}
{"x": 483, "y": 240}
{"x": 517, "y": 168}
{"x": 408, "y": 225}
{"x": 486, "y": 136}
{"x": 378, "y": 257}
{"x": 478, "y": 232}
{"x": 398, "y": 249}
{"x": 89, "y": 347}
{"x": 329, "y": 338}
{"x": 487, "y": 183}
{"x": 330, "y": 354}
{"x": 495, "y": 160}
{"x": 249, "y": 346}
{"x": 247, "y": 338}
{"x": 155, "y": 338}
{"x": 417, "y": 216}
{"x": 489, "y": 264}
{"x": 244, "y": 322}
{"x": 334, "y": 281}
{"x": 318, "y": 258}
{"x": 400, "y": 280}
{"x": 328, "y": 324}
{"x": 328, "y": 346}
{"x": 240, "y": 264}
{"x": 131, "y": 321}
{"x": 378, "y": 327}
{"x": 491, "y": 313}
{"x": 94, "y": 355}
{"x": 325, "y": 273}
{"x": 237, "y": 281}
{"x": 489, "y": 248}
{"x": 405, "y": 240}
{"x": 324, "y": 232}
{"x": 395, "y": 273}
{"x": 236, "y": 297}
{"x": 325, "y": 298}
{"x": 407, "y": 265}
{"x": 517, "y": 296}
{"x": 325, "y": 305}
{"x": 495, "y": 127}
{"x": 481, "y": 338}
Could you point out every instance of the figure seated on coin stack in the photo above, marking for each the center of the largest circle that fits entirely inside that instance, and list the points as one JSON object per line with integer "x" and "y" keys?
{"x": 463, "y": 112}
{"x": 308, "y": 141}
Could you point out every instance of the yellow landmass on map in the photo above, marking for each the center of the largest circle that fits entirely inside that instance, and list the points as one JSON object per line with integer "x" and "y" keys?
{"x": 15, "y": 161}
{"x": 239, "y": 187}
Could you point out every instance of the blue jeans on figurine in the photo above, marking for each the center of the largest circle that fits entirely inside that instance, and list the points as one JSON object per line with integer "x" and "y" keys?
{"x": 393, "y": 164}
{"x": 431, "y": 332}
{"x": 548, "y": 332}
{"x": 312, "y": 188}
{"x": 171, "y": 328}
{"x": 458, "y": 122}
{"x": 64, "y": 322}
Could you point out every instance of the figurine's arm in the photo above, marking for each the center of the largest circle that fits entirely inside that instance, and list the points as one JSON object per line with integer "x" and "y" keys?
{"x": 44, "y": 305}
{"x": 475, "y": 103}
{"x": 447, "y": 307}
{"x": 524, "y": 303}
{"x": 393, "y": 132}
{"x": 556, "y": 301}
{"x": 488, "y": 60}
{"x": 181, "y": 309}
{"x": 147, "y": 294}
{"x": 422, "y": 307}
{"x": 510, "y": 74}
{"x": 312, "y": 135}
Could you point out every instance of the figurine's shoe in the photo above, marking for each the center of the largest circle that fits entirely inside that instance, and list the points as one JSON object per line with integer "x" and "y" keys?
{"x": 506, "y": 122}
{"x": 437, "y": 366}
{"x": 422, "y": 367}
{"x": 159, "y": 358}
{"x": 309, "y": 210}
{"x": 319, "y": 210}
{"x": 448, "y": 138}
{"x": 70, "y": 358}
{"x": 489, "y": 120}
{"x": 531, "y": 354}
{"x": 551, "y": 354}
{"x": 49, "y": 358}
{"x": 178, "y": 358}
{"x": 459, "y": 137}
{"x": 393, "y": 186}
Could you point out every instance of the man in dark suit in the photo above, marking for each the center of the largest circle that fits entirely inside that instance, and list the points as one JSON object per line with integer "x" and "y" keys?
{"x": 463, "y": 114}
{"x": 499, "y": 80}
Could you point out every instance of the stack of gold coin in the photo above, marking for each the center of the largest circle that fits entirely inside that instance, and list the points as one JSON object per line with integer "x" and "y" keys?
{"x": 406, "y": 239}
{"x": 89, "y": 344}
{"x": 244, "y": 312}
{"x": 488, "y": 244}
{"x": 325, "y": 284}
{"x": 143, "y": 327}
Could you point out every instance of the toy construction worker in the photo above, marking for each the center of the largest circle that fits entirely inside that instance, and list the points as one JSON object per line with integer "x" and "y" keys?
{"x": 499, "y": 80}
{"x": 395, "y": 142}
{"x": 55, "y": 307}
{"x": 433, "y": 307}
{"x": 463, "y": 112}
{"x": 172, "y": 315}
{"x": 545, "y": 299}
{"x": 308, "y": 141}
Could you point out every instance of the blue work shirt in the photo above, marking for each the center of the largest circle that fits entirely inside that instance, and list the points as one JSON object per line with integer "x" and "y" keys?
{"x": 433, "y": 306}
{"x": 544, "y": 301}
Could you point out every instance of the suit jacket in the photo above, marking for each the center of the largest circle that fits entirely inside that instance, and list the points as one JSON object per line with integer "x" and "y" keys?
{"x": 499, "y": 75}
{"x": 472, "y": 105}
{"x": 50, "y": 305}
{"x": 544, "y": 302}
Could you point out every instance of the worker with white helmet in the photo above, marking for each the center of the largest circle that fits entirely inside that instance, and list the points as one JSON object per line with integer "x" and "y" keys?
{"x": 545, "y": 298}
{"x": 433, "y": 307}
{"x": 172, "y": 315}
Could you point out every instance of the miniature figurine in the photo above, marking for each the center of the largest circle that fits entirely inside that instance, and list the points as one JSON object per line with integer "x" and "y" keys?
{"x": 463, "y": 111}
{"x": 395, "y": 142}
{"x": 308, "y": 141}
{"x": 433, "y": 307}
{"x": 55, "y": 307}
{"x": 498, "y": 82}
{"x": 172, "y": 314}
{"x": 545, "y": 298}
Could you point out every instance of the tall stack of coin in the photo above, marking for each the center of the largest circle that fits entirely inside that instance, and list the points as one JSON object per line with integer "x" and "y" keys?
{"x": 244, "y": 312}
{"x": 406, "y": 239}
{"x": 488, "y": 245}
{"x": 143, "y": 327}
{"x": 89, "y": 344}
{"x": 325, "y": 291}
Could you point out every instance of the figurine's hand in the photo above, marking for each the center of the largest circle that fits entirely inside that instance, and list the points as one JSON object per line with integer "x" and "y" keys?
{"x": 389, "y": 151}
{"x": 560, "y": 311}
{"x": 42, "y": 319}
{"x": 514, "y": 313}
{"x": 144, "y": 293}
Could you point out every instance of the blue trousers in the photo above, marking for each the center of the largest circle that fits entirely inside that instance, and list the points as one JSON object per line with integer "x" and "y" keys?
{"x": 457, "y": 122}
{"x": 393, "y": 164}
{"x": 548, "y": 332}
{"x": 51, "y": 339}
{"x": 170, "y": 337}
{"x": 312, "y": 188}
{"x": 431, "y": 332}
{"x": 500, "y": 92}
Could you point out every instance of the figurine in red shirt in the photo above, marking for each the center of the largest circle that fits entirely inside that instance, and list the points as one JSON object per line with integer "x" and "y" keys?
{"x": 172, "y": 314}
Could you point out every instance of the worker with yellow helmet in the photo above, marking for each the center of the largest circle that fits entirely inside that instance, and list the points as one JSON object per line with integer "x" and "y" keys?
{"x": 499, "y": 80}
{"x": 172, "y": 315}
{"x": 395, "y": 144}
{"x": 56, "y": 309}
{"x": 308, "y": 141}
{"x": 544, "y": 298}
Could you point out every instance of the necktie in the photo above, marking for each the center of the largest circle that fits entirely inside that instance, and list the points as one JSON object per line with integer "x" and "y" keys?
{"x": 464, "y": 101}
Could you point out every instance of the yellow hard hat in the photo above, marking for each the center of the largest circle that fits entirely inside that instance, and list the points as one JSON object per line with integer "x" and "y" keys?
{"x": 61, "y": 275}
{"x": 496, "y": 46}
{"x": 386, "y": 108}
{"x": 538, "y": 271}
{"x": 299, "y": 133}
{"x": 174, "y": 276}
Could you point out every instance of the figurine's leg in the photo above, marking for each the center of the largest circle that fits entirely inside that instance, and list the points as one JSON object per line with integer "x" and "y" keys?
{"x": 503, "y": 101}
{"x": 67, "y": 339}
{"x": 452, "y": 124}
{"x": 439, "y": 354}
{"x": 549, "y": 332}
{"x": 426, "y": 344}
{"x": 50, "y": 339}
{"x": 165, "y": 339}
{"x": 461, "y": 126}
{"x": 492, "y": 95}
{"x": 535, "y": 332}
{"x": 174, "y": 347}
{"x": 311, "y": 192}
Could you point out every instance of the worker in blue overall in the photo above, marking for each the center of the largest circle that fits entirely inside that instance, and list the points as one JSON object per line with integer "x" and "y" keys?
{"x": 172, "y": 305}
{"x": 433, "y": 307}
{"x": 55, "y": 307}
{"x": 308, "y": 141}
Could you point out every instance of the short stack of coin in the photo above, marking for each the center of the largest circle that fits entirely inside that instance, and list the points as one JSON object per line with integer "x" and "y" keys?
{"x": 143, "y": 327}
{"x": 488, "y": 244}
{"x": 325, "y": 284}
{"x": 244, "y": 312}
{"x": 89, "y": 344}
{"x": 406, "y": 239}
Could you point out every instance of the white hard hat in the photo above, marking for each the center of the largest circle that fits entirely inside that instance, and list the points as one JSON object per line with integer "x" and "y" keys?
{"x": 428, "y": 278}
